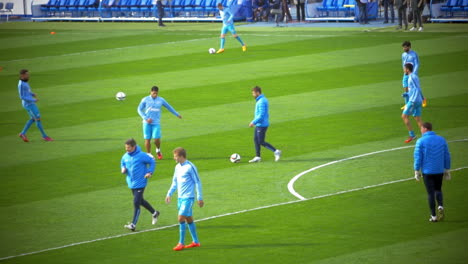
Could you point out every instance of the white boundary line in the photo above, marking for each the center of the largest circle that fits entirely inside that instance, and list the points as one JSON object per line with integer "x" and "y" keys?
{"x": 295, "y": 178}
{"x": 247, "y": 210}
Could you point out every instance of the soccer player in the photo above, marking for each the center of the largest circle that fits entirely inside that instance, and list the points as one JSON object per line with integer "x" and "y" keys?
{"x": 409, "y": 56}
{"x": 138, "y": 166}
{"x": 228, "y": 25}
{"x": 186, "y": 181}
{"x": 432, "y": 157}
{"x": 261, "y": 124}
{"x": 413, "y": 106}
{"x": 29, "y": 99}
{"x": 150, "y": 110}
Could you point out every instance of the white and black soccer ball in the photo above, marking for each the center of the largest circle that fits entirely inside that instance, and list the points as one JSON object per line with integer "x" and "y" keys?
{"x": 235, "y": 158}
{"x": 211, "y": 51}
{"x": 120, "y": 96}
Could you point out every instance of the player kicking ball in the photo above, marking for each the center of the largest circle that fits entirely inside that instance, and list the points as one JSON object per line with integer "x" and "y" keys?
{"x": 228, "y": 25}
{"x": 186, "y": 181}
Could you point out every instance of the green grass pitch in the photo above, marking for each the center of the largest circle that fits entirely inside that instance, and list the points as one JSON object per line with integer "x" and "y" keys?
{"x": 334, "y": 93}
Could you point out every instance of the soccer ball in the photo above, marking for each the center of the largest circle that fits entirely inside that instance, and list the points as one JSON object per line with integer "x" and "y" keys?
{"x": 235, "y": 158}
{"x": 212, "y": 51}
{"x": 120, "y": 96}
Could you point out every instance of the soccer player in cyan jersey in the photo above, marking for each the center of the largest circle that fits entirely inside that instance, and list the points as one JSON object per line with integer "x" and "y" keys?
{"x": 409, "y": 56}
{"x": 138, "y": 166}
{"x": 228, "y": 25}
{"x": 186, "y": 181}
{"x": 29, "y": 99}
{"x": 150, "y": 110}
{"x": 413, "y": 106}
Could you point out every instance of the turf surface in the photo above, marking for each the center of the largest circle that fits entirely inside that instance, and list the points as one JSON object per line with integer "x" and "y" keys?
{"x": 334, "y": 93}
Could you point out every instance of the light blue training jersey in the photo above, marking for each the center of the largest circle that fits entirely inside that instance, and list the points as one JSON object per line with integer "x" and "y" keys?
{"x": 431, "y": 154}
{"x": 186, "y": 181}
{"x": 150, "y": 107}
{"x": 25, "y": 94}
{"x": 411, "y": 57}
{"x": 227, "y": 16}
{"x": 414, "y": 89}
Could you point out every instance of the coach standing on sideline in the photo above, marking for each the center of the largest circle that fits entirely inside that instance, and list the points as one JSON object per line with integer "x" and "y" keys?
{"x": 160, "y": 12}
{"x": 432, "y": 157}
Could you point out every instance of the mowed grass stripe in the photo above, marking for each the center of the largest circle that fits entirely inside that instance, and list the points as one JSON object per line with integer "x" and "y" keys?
{"x": 204, "y": 75}
{"x": 200, "y": 121}
{"x": 316, "y": 134}
{"x": 321, "y": 206}
{"x": 157, "y": 48}
{"x": 298, "y": 83}
{"x": 116, "y": 195}
{"x": 182, "y": 49}
{"x": 41, "y": 39}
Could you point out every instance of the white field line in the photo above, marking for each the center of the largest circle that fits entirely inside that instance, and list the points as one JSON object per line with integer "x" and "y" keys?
{"x": 295, "y": 178}
{"x": 234, "y": 213}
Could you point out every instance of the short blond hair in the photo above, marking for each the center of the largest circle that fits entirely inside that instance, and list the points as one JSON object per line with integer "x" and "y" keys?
{"x": 180, "y": 152}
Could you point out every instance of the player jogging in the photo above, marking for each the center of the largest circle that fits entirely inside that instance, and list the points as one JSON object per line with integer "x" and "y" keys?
{"x": 413, "y": 106}
{"x": 138, "y": 166}
{"x": 228, "y": 25}
{"x": 186, "y": 181}
{"x": 150, "y": 110}
{"x": 409, "y": 56}
{"x": 29, "y": 100}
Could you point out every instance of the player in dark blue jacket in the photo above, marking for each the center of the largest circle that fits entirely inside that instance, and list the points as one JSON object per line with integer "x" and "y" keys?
{"x": 432, "y": 158}
{"x": 261, "y": 123}
{"x": 138, "y": 166}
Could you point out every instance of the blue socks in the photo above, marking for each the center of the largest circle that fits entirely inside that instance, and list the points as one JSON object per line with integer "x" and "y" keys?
{"x": 223, "y": 40}
{"x": 27, "y": 126}
{"x": 240, "y": 40}
{"x": 193, "y": 232}
{"x": 411, "y": 133}
{"x": 192, "y": 229}
{"x": 39, "y": 125}
{"x": 182, "y": 233}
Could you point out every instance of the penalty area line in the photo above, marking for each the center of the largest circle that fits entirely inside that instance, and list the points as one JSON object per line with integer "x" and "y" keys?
{"x": 295, "y": 178}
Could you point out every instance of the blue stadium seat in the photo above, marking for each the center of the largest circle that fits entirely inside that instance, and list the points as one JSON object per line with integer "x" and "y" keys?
{"x": 338, "y": 6}
{"x": 147, "y": 8}
{"x": 135, "y": 6}
{"x": 92, "y": 6}
{"x": 196, "y": 8}
{"x": 449, "y": 5}
{"x": 209, "y": 7}
{"x": 327, "y": 6}
{"x": 177, "y": 7}
{"x": 63, "y": 6}
{"x": 461, "y": 7}
{"x": 46, "y": 8}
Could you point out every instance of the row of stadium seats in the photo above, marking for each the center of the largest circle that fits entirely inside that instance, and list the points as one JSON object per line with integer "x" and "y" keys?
{"x": 329, "y": 7}
{"x": 455, "y": 8}
{"x": 134, "y": 8}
